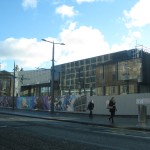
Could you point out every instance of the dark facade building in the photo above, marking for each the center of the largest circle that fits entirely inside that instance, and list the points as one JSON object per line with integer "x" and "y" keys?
{"x": 117, "y": 73}
{"x": 6, "y": 83}
{"x": 123, "y": 72}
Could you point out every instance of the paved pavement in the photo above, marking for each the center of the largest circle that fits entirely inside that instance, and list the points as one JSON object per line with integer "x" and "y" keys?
{"x": 127, "y": 122}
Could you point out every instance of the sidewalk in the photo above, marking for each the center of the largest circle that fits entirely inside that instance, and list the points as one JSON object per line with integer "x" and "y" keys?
{"x": 126, "y": 122}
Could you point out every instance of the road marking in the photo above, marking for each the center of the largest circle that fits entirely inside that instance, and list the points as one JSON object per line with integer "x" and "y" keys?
{"x": 3, "y": 126}
{"x": 122, "y": 134}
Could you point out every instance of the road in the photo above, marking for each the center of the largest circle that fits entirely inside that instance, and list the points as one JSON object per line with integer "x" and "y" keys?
{"x": 25, "y": 133}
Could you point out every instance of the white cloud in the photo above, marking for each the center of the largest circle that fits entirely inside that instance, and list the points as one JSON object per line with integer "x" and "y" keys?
{"x": 88, "y": 1}
{"x": 83, "y": 42}
{"x": 81, "y": 1}
{"x": 138, "y": 16}
{"x": 28, "y": 53}
{"x": 29, "y": 3}
{"x": 65, "y": 10}
{"x": 128, "y": 42}
{"x": 80, "y": 43}
{"x": 2, "y": 65}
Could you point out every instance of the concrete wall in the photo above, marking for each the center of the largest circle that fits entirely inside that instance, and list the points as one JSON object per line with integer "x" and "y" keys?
{"x": 126, "y": 104}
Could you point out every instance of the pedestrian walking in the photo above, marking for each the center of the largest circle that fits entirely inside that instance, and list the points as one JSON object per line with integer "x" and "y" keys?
{"x": 112, "y": 109}
{"x": 90, "y": 108}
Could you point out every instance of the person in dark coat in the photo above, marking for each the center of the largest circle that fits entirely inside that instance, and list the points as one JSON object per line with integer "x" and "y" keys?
{"x": 112, "y": 109}
{"x": 90, "y": 108}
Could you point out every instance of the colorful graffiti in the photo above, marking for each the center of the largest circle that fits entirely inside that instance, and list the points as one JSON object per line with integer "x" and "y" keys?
{"x": 61, "y": 103}
{"x": 41, "y": 103}
{"x": 24, "y": 102}
{"x": 6, "y": 101}
{"x": 71, "y": 103}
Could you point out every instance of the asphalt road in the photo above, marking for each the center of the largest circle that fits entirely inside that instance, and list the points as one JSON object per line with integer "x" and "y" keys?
{"x": 24, "y": 133}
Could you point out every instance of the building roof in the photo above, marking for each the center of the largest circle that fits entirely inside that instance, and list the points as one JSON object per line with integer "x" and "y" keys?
{"x": 5, "y": 73}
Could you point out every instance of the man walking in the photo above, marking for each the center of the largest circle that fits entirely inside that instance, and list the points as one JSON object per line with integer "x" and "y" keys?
{"x": 112, "y": 109}
{"x": 90, "y": 108}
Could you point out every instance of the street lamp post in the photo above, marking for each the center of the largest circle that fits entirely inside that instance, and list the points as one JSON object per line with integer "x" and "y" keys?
{"x": 14, "y": 76}
{"x": 52, "y": 73}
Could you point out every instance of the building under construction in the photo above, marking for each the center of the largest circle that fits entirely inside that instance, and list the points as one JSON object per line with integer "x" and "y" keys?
{"x": 123, "y": 72}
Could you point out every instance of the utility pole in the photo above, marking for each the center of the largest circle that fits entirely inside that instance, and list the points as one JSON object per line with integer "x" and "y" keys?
{"x": 52, "y": 73}
{"x": 14, "y": 87}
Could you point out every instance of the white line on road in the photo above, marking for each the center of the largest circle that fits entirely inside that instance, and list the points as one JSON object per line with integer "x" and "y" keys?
{"x": 3, "y": 126}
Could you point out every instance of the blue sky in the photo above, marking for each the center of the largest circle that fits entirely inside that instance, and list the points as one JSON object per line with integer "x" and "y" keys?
{"x": 87, "y": 27}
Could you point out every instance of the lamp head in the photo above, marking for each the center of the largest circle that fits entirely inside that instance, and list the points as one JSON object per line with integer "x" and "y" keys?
{"x": 62, "y": 43}
{"x": 43, "y": 40}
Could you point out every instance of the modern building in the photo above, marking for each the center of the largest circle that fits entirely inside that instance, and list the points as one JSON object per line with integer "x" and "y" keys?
{"x": 117, "y": 73}
{"x": 112, "y": 74}
{"x": 34, "y": 82}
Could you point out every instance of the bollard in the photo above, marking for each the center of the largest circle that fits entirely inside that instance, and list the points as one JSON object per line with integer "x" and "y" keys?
{"x": 142, "y": 112}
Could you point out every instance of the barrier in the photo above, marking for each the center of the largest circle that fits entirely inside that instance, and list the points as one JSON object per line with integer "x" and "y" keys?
{"x": 142, "y": 109}
{"x": 143, "y": 101}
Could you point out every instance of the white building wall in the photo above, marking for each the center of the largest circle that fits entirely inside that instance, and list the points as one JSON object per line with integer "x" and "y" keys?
{"x": 126, "y": 104}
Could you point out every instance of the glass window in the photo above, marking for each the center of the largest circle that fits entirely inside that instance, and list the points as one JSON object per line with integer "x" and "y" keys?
{"x": 68, "y": 82}
{"x": 93, "y": 66}
{"x": 68, "y": 65}
{"x": 123, "y": 89}
{"x": 93, "y": 60}
{"x": 111, "y": 90}
{"x": 87, "y": 61}
{"x": 132, "y": 88}
{"x": 114, "y": 90}
{"x": 81, "y": 62}
{"x": 107, "y": 90}
{"x": 68, "y": 76}
{"x": 93, "y": 79}
{"x": 76, "y": 81}
{"x": 68, "y": 71}
{"x": 88, "y": 80}
{"x": 76, "y": 63}
{"x": 72, "y": 64}
{"x": 72, "y": 76}
{"x": 100, "y": 91}
{"x": 72, "y": 70}
{"x": 129, "y": 69}
{"x": 72, "y": 81}
{"x": 88, "y": 67}
{"x": 81, "y": 74}
{"x": 105, "y": 57}
{"x": 114, "y": 77}
{"x": 62, "y": 67}
{"x": 93, "y": 72}
{"x": 99, "y": 59}
{"x": 87, "y": 73}
{"x": 62, "y": 74}
{"x": 82, "y": 68}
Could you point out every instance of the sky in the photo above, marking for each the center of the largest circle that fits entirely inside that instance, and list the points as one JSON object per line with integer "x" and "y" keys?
{"x": 88, "y": 28}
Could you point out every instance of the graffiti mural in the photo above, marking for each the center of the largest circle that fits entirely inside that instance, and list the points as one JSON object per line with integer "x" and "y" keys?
{"x": 69, "y": 103}
{"x": 6, "y": 101}
{"x": 24, "y": 102}
{"x": 40, "y": 103}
